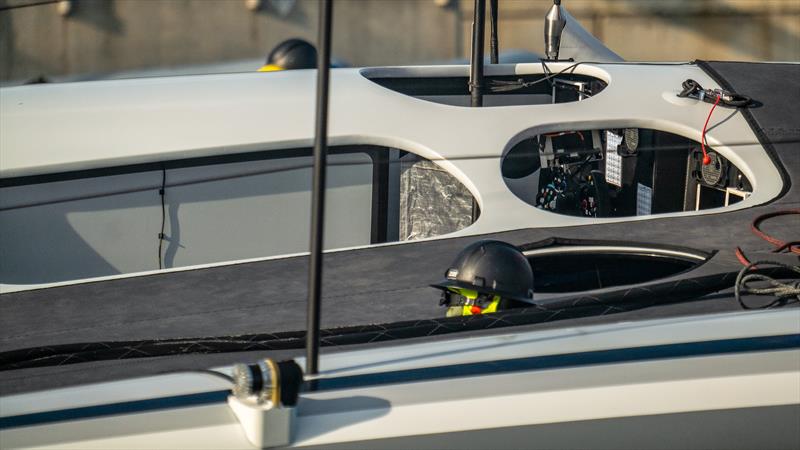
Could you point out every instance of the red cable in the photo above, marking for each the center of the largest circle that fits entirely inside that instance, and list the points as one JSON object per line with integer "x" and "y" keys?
{"x": 740, "y": 256}
{"x": 706, "y": 158}
{"x": 780, "y": 246}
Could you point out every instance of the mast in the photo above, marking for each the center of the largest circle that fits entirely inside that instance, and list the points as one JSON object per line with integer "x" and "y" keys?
{"x": 318, "y": 187}
{"x": 476, "y": 72}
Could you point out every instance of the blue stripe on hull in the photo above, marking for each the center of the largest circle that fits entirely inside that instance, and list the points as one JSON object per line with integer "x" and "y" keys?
{"x": 614, "y": 356}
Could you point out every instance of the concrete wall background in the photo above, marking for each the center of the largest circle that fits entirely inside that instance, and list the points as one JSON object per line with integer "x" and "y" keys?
{"x": 113, "y": 35}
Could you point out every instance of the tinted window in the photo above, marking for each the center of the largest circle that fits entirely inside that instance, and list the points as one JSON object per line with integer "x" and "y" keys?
{"x": 232, "y": 207}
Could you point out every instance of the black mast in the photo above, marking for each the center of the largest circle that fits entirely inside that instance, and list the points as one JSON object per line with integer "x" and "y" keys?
{"x": 318, "y": 187}
{"x": 476, "y": 75}
{"x": 494, "y": 49}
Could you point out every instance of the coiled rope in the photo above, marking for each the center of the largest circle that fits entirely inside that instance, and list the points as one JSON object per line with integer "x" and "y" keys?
{"x": 784, "y": 292}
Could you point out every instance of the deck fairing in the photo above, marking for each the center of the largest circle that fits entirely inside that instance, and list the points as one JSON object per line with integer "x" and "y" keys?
{"x": 381, "y": 293}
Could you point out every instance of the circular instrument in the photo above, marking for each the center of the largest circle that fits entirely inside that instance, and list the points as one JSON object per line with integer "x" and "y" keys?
{"x": 712, "y": 172}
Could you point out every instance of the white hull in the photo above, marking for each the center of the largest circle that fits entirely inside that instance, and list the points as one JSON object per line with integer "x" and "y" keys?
{"x": 731, "y": 384}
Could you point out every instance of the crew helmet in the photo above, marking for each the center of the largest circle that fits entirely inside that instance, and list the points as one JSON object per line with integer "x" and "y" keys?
{"x": 291, "y": 54}
{"x": 491, "y": 267}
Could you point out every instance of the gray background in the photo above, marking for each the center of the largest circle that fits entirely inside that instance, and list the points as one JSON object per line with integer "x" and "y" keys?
{"x": 101, "y": 36}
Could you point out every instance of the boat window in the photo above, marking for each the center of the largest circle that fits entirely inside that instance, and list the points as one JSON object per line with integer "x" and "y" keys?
{"x": 432, "y": 202}
{"x": 500, "y": 90}
{"x": 620, "y": 173}
{"x": 108, "y": 221}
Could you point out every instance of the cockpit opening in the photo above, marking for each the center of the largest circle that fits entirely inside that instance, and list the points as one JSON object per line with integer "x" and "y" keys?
{"x": 620, "y": 173}
{"x": 500, "y": 90}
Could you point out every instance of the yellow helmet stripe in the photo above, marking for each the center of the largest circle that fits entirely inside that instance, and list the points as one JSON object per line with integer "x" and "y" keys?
{"x": 270, "y": 68}
{"x": 470, "y": 294}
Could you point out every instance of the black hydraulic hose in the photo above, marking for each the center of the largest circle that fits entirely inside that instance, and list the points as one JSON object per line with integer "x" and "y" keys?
{"x": 494, "y": 49}
{"x": 318, "y": 188}
{"x": 476, "y": 75}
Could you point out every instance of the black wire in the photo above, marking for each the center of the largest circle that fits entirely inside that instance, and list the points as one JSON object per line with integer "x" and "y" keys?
{"x": 692, "y": 89}
{"x": 500, "y": 85}
{"x": 26, "y": 5}
{"x": 161, "y": 192}
{"x": 546, "y": 70}
{"x": 494, "y": 46}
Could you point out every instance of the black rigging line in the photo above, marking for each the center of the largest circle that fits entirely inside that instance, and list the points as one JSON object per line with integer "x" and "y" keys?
{"x": 318, "y": 187}
{"x": 26, "y": 5}
{"x": 476, "y": 63}
{"x": 494, "y": 47}
{"x": 547, "y": 72}
{"x": 161, "y": 235}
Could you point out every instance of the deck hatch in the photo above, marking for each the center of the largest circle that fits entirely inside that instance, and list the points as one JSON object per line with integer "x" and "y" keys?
{"x": 578, "y": 268}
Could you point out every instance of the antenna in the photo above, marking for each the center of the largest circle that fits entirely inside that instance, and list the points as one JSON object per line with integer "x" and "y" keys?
{"x": 554, "y": 23}
{"x": 318, "y": 187}
{"x": 476, "y": 72}
{"x": 494, "y": 49}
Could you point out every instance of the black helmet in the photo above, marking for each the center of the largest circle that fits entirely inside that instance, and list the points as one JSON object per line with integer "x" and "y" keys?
{"x": 491, "y": 267}
{"x": 291, "y": 54}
